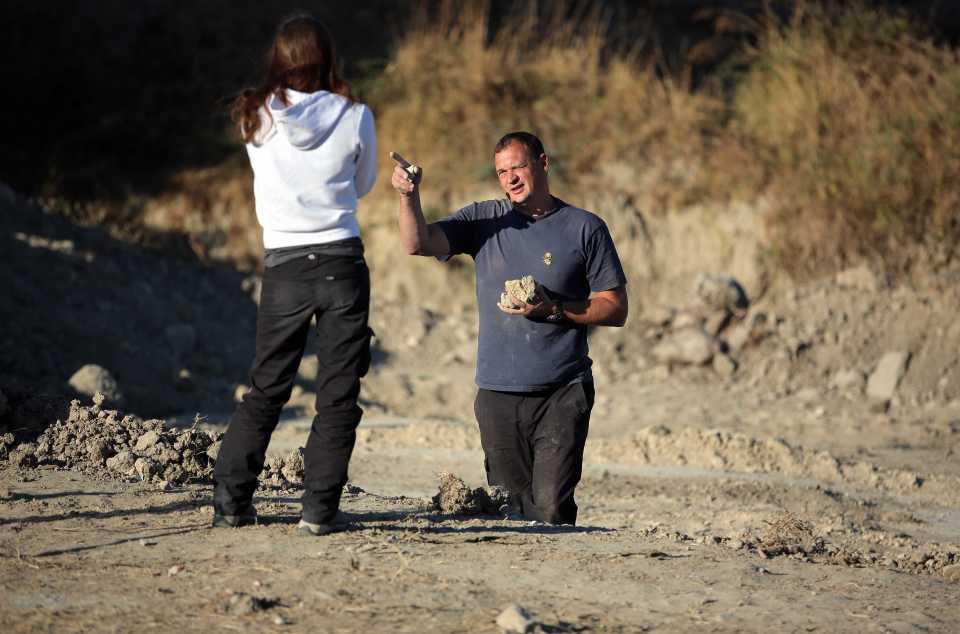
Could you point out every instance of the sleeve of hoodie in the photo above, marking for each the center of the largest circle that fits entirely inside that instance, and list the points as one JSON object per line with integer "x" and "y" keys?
{"x": 367, "y": 153}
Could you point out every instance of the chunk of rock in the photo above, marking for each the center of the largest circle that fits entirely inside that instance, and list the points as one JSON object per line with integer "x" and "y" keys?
{"x": 720, "y": 293}
{"x": 515, "y": 619}
{"x": 93, "y": 378}
{"x": 99, "y": 450}
{"x": 716, "y": 322}
{"x": 123, "y": 462}
{"x": 685, "y": 319}
{"x": 145, "y": 468}
{"x": 292, "y": 468}
{"x": 457, "y": 498}
{"x": 519, "y": 292}
{"x": 214, "y": 450}
{"x": 848, "y": 380}
{"x": 454, "y": 495}
{"x": 724, "y": 365}
{"x": 860, "y": 278}
{"x": 658, "y": 315}
{"x": 147, "y": 440}
{"x": 689, "y": 346}
{"x": 886, "y": 377}
{"x": 951, "y": 572}
{"x": 750, "y": 331}
{"x": 242, "y": 604}
{"x": 6, "y": 445}
{"x": 24, "y": 456}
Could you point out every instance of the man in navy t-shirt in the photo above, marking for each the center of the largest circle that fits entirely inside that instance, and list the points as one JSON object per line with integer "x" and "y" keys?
{"x": 533, "y": 369}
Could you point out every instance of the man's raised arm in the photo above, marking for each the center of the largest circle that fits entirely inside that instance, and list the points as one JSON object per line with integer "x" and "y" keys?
{"x": 418, "y": 237}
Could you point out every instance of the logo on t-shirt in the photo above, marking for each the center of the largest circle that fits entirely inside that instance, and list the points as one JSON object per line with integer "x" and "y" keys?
{"x": 548, "y": 258}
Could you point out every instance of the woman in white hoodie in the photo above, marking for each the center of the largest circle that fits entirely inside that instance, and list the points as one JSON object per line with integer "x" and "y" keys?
{"x": 312, "y": 148}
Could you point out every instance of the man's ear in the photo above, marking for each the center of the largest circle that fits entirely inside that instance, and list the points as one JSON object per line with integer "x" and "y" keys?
{"x": 545, "y": 162}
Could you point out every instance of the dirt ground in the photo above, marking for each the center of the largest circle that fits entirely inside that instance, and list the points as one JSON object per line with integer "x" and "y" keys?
{"x": 761, "y": 491}
{"x": 677, "y": 536}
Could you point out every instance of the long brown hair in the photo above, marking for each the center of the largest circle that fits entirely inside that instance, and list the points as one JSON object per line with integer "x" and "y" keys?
{"x": 303, "y": 58}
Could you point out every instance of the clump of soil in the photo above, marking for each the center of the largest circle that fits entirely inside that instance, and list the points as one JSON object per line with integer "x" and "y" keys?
{"x": 456, "y": 498}
{"x": 283, "y": 472}
{"x": 243, "y": 604}
{"x": 103, "y": 441}
{"x": 787, "y": 534}
{"x": 723, "y": 449}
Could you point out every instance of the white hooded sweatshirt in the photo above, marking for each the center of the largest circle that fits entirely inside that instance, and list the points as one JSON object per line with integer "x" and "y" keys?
{"x": 312, "y": 161}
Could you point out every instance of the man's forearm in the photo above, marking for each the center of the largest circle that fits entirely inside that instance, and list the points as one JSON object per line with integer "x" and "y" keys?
{"x": 603, "y": 310}
{"x": 412, "y": 224}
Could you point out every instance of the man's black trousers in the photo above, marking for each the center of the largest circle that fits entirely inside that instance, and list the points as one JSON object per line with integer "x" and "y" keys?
{"x": 533, "y": 446}
{"x": 334, "y": 289}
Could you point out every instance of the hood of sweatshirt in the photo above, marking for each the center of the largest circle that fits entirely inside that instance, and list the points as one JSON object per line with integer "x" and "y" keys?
{"x": 309, "y": 118}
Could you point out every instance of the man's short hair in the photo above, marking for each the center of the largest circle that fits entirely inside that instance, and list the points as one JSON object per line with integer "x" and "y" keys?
{"x": 527, "y": 140}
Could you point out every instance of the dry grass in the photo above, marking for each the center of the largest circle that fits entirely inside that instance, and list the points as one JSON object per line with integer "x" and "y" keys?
{"x": 453, "y": 89}
{"x": 853, "y": 124}
{"x": 842, "y": 134}
{"x": 846, "y": 125}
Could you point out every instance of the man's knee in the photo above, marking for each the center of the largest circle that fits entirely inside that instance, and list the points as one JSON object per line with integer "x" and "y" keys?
{"x": 554, "y": 513}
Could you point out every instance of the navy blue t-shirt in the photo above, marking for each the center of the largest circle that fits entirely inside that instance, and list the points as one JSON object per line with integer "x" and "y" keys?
{"x": 569, "y": 252}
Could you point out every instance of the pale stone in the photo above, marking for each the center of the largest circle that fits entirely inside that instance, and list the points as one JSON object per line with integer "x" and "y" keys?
{"x": 144, "y": 468}
{"x": 720, "y": 292}
{"x": 519, "y": 292}
{"x": 123, "y": 462}
{"x": 848, "y": 380}
{"x": 684, "y": 320}
{"x": 860, "y": 278}
{"x": 147, "y": 440}
{"x": 886, "y": 377}
{"x": 724, "y": 365}
{"x": 515, "y": 619}
{"x": 690, "y": 346}
{"x": 658, "y": 315}
{"x": 93, "y": 378}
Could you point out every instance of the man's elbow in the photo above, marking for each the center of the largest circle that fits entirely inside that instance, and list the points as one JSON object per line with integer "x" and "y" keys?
{"x": 622, "y": 308}
{"x": 619, "y": 318}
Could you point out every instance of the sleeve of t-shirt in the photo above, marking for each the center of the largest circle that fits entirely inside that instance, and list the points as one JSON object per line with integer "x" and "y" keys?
{"x": 366, "y": 153}
{"x": 460, "y": 229}
{"x": 604, "y": 270}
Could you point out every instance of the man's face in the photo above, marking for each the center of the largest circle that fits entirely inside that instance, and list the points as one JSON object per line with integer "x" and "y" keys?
{"x": 521, "y": 176}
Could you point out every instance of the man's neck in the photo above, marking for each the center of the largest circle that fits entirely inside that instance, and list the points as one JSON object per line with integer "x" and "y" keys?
{"x": 540, "y": 207}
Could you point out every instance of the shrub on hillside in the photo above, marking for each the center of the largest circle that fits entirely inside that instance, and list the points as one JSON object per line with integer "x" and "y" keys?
{"x": 454, "y": 87}
{"x": 853, "y": 119}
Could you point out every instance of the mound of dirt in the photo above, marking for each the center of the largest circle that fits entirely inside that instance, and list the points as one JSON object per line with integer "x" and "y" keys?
{"x": 283, "y": 472}
{"x": 721, "y": 449}
{"x": 104, "y": 442}
{"x": 456, "y": 498}
{"x": 789, "y": 534}
{"x": 786, "y": 535}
